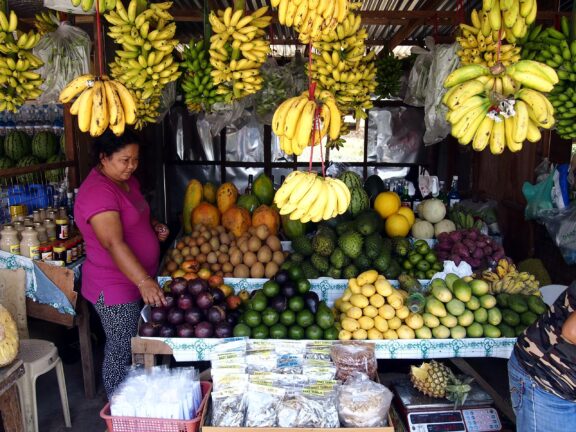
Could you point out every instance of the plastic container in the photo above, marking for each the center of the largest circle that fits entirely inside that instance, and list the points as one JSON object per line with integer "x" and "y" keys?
{"x": 9, "y": 241}
{"x": 142, "y": 424}
{"x": 29, "y": 243}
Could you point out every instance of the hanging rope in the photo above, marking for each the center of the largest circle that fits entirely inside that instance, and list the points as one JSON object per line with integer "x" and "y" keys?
{"x": 99, "y": 39}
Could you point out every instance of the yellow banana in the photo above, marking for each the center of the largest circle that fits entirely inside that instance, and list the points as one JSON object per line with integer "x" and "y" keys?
{"x": 85, "y": 109}
{"x": 75, "y": 87}
{"x": 498, "y": 138}
{"x": 521, "y": 120}
{"x": 482, "y": 136}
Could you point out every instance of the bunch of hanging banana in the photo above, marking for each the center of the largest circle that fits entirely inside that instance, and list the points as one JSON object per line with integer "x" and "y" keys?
{"x": 100, "y": 103}
{"x": 480, "y": 43}
{"x": 146, "y": 63}
{"x": 18, "y": 81}
{"x": 302, "y": 121}
{"x": 388, "y": 75}
{"x": 46, "y": 22}
{"x": 499, "y": 107}
{"x": 511, "y": 16}
{"x": 309, "y": 197}
{"x": 552, "y": 47}
{"x": 238, "y": 49}
{"x": 312, "y": 18}
{"x": 88, "y": 5}
{"x": 506, "y": 278}
{"x": 342, "y": 66}
{"x": 197, "y": 83}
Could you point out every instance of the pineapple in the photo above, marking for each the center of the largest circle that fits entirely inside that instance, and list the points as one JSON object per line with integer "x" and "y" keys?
{"x": 438, "y": 381}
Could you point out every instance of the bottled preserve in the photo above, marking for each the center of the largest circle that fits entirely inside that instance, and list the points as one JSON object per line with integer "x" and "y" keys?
{"x": 453, "y": 195}
{"x": 9, "y": 240}
{"x": 29, "y": 245}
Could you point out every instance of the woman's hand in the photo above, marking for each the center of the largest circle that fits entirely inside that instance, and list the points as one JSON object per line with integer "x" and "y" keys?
{"x": 569, "y": 328}
{"x": 151, "y": 292}
{"x": 162, "y": 231}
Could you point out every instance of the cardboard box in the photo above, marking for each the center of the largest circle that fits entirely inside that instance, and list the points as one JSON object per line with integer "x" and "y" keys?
{"x": 207, "y": 428}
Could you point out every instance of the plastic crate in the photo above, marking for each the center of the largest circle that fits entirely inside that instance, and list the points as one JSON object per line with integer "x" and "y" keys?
{"x": 142, "y": 424}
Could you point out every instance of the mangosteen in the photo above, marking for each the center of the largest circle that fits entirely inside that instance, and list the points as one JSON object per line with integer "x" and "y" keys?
{"x": 216, "y": 314}
{"x": 148, "y": 330}
{"x": 312, "y": 300}
{"x": 204, "y": 330}
{"x": 204, "y": 300}
{"x": 185, "y": 302}
{"x": 218, "y": 295}
{"x": 289, "y": 289}
{"x": 223, "y": 330}
{"x": 178, "y": 286}
{"x": 196, "y": 286}
{"x": 167, "y": 331}
{"x": 175, "y": 316}
{"x": 279, "y": 303}
{"x": 185, "y": 330}
{"x": 170, "y": 301}
{"x": 158, "y": 315}
{"x": 282, "y": 277}
{"x": 193, "y": 315}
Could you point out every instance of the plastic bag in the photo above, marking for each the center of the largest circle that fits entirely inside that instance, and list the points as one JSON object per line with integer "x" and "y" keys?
{"x": 538, "y": 197}
{"x": 66, "y": 6}
{"x": 561, "y": 226}
{"x": 353, "y": 357}
{"x": 224, "y": 114}
{"x": 363, "y": 403}
{"x": 418, "y": 79}
{"x": 66, "y": 55}
{"x": 278, "y": 86}
{"x": 444, "y": 62}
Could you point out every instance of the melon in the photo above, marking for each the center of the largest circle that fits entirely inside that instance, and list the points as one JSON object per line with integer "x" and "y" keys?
{"x": 55, "y": 175}
{"x": 351, "y": 179}
{"x": 17, "y": 145}
{"x": 5, "y": 163}
{"x": 25, "y": 162}
{"x": 44, "y": 145}
{"x": 359, "y": 201}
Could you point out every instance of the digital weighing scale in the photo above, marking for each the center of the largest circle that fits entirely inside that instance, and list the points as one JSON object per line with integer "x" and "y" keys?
{"x": 421, "y": 413}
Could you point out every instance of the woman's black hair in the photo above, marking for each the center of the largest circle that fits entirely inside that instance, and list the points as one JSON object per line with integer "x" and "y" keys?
{"x": 107, "y": 144}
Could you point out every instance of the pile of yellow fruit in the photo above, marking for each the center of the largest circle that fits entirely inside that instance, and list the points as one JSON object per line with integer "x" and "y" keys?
{"x": 371, "y": 308}
{"x": 399, "y": 220}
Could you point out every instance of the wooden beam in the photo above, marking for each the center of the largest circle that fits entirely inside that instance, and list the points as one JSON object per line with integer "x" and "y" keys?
{"x": 407, "y": 30}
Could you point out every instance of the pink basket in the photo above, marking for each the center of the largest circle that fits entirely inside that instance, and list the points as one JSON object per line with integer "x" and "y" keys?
{"x": 142, "y": 424}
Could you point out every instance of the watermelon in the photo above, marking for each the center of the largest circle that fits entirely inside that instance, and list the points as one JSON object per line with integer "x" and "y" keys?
{"x": 359, "y": 201}
{"x": 17, "y": 145}
{"x": 373, "y": 186}
{"x": 25, "y": 162}
{"x": 55, "y": 175}
{"x": 351, "y": 179}
{"x": 5, "y": 163}
{"x": 44, "y": 145}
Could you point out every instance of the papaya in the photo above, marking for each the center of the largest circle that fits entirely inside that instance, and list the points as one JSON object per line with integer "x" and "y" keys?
{"x": 226, "y": 196}
{"x": 206, "y": 214}
{"x": 192, "y": 197}
{"x": 210, "y": 193}
{"x": 263, "y": 189}
{"x": 236, "y": 220}
{"x": 249, "y": 202}
{"x": 265, "y": 215}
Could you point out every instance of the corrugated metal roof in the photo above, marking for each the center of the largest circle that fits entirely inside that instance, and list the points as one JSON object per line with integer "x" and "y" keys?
{"x": 377, "y": 34}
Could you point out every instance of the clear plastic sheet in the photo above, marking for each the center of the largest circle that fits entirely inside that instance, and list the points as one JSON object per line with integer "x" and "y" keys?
{"x": 66, "y": 55}
{"x": 444, "y": 62}
{"x": 224, "y": 114}
{"x": 419, "y": 75}
{"x": 395, "y": 134}
{"x": 245, "y": 140}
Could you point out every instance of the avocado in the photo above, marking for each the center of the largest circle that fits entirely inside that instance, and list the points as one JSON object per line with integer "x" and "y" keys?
{"x": 303, "y": 245}
{"x": 368, "y": 222}
{"x": 344, "y": 227}
{"x": 320, "y": 262}
{"x": 338, "y": 259}
{"x": 393, "y": 270}
{"x": 462, "y": 290}
{"x": 528, "y": 318}
{"x": 382, "y": 262}
{"x": 502, "y": 299}
{"x": 536, "y": 305}
{"x": 363, "y": 263}
{"x": 506, "y": 330}
{"x": 517, "y": 302}
{"x": 510, "y": 317}
{"x": 310, "y": 272}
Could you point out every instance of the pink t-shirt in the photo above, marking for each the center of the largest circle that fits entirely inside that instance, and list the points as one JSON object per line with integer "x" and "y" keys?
{"x": 98, "y": 194}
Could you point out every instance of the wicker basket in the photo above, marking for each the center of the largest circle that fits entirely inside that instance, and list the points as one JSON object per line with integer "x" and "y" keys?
{"x": 142, "y": 424}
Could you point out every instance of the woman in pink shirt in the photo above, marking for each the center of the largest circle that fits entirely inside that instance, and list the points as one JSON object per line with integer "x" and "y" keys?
{"x": 122, "y": 249}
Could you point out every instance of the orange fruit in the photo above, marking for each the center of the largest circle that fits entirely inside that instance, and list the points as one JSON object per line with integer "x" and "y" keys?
{"x": 408, "y": 214}
{"x": 397, "y": 226}
{"x": 387, "y": 204}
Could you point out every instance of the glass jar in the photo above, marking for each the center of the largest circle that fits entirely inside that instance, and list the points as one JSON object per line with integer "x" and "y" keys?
{"x": 51, "y": 214}
{"x": 28, "y": 222}
{"x": 74, "y": 247}
{"x": 59, "y": 252}
{"x": 36, "y": 216}
{"x": 42, "y": 213}
{"x": 68, "y": 247}
{"x": 9, "y": 241}
{"x": 50, "y": 226}
{"x": 29, "y": 243}
{"x": 46, "y": 252}
{"x": 41, "y": 230}
{"x": 62, "y": 213}
{"x": 19, "y": 227}
{"x": 62, "y": 229}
